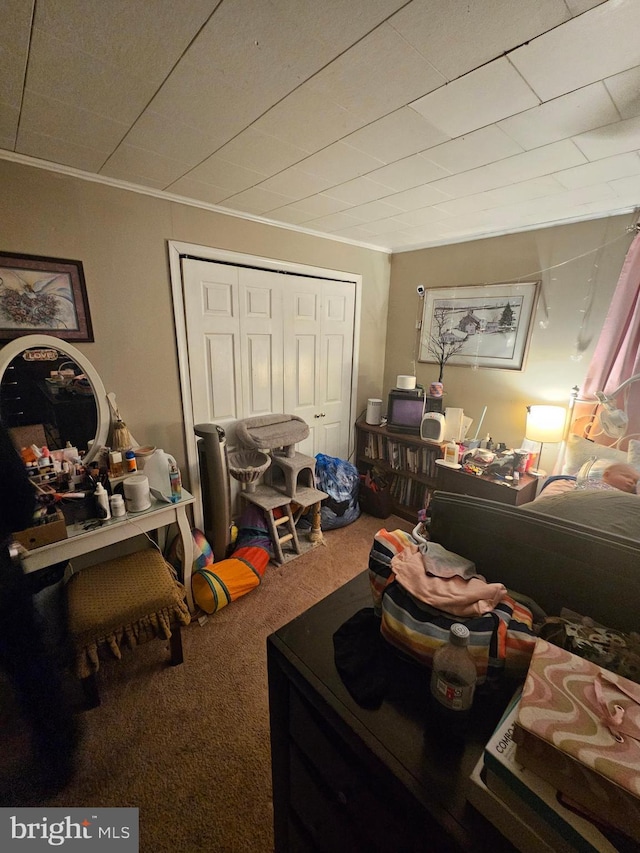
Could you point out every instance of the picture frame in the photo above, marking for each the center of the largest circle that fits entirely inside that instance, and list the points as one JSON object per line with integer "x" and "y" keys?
{"x": 43, "y": 295}
{"x": 484, "y": 325}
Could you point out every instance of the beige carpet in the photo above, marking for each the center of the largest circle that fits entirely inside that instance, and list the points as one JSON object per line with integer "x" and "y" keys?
{"x": 189, "y": 745}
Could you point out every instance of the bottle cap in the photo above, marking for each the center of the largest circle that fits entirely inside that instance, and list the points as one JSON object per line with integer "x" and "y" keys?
{"x": 458, "y": 634}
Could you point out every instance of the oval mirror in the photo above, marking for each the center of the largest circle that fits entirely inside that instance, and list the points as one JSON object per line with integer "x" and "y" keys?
{"x": 50, "y": 393}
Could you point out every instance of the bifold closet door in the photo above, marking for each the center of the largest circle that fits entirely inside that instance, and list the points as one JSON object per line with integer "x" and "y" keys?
{"x": 262, "y": 342}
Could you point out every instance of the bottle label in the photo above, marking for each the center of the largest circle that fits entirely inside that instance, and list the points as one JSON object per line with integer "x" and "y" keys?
{"x": 452, "y": 692}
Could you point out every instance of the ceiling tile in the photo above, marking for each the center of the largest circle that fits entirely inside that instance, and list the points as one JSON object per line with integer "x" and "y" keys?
{"x": 256, "y": 200}
{"x": 69, "y": 124}
{"x": 296, "y": 183}
{"x": 607, "y": 141}
{"x": 8, "y": 126}
{"x": 625, "y": 91}
{"x": 542, "y": 161}
{"x": 470, "y": 182}
{"x": 261, "y": 152}
{"x": 608, "y": 169}
{"x": 523, "y": 191}
{"x": 214, "y": 170}
{"x": 475, "y": 149}
{"x": 481, "y": 97}
{"x": 290, "y": 215}
{"x": 382, "y": 226}
{"x": 147, "y": 38}
{"x": 627, "y": 187}
{"x": 409, "y": 172}
{"x": 416, "y": 197}
{"x": 374, "y": 210}
{"x": 377, "y": 75}
{"x": 399, "y": 134}
{"x": 339, "y": 163}
{"x": 333, "y": 222}
{"x": 563, "y": 117}
{"x": 318, "y": 205}
{"x": 64, "y": 151}
{"x": 597, "y": 44}
{"x": 308, "y": 119}
{"x": 189, "y": 188}
{"x": 142, "y": 167}
{"x": 14, "y": 45}
{"x": 67, "y": 73}
{"x": 168, "y": 139}
{"x": 457, "y": 36}
{"x": 422, "y": 216}
{"x": 577, "y": 7}
{"x": 359, "y": 191}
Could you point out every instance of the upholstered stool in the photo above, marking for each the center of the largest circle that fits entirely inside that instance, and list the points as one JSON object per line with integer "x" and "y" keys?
{"x": 123, "y": 602}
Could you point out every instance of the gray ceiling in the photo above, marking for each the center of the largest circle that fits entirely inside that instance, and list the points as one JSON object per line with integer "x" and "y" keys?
{"x": 390, "y": 123}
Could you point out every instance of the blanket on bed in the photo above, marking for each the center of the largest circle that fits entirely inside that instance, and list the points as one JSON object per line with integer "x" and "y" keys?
{"x": 613, "y": 511}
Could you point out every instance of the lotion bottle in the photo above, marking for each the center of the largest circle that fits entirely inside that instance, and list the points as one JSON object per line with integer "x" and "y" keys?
{"x": 102, "y": 502}
{"x": 451, "y": 453}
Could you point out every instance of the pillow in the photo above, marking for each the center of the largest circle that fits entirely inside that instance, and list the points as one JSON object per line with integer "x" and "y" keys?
{"x": 580, "y": 450}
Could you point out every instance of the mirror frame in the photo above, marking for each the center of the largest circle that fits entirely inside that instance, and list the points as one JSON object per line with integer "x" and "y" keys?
{"x": 12, "y": 349}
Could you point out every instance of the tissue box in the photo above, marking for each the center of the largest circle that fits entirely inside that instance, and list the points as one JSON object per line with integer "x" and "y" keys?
{"x": 563, "y": 733}
{"x": 53, "y": 529}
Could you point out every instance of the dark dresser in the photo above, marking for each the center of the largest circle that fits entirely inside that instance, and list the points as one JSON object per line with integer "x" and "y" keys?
{"x": 347, "y": 778}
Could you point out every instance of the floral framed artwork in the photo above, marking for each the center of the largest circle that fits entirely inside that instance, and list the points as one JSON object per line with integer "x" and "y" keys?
{"x": 484, "y": 325}
{"x": 47, "y": 295}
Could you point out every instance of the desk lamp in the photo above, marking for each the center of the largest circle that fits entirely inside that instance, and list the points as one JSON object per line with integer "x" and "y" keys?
{"x": 544, "y": 424}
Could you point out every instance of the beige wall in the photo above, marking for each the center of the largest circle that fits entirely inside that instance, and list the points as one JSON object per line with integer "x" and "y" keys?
{"x": 551, "y": 368}
{"x": 121, "y": 238}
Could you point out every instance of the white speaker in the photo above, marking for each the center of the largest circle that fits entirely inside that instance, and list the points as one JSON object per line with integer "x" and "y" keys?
{"x": 374, "y": 411}
{"x": 432, "y": 427}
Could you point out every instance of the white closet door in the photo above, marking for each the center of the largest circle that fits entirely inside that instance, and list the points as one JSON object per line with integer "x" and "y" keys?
{"x": 234, "y": 336}
{"x": 318, "y": 347}
{"x": 262, "y": 342}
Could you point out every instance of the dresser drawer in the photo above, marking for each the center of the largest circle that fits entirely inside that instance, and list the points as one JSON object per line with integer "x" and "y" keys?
{"x": 328, "y": 829}
{"x": 367, "y": 804}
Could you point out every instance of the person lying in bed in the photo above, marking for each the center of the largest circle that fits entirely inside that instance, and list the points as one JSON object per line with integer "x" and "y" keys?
{"x": 622, "y": 476}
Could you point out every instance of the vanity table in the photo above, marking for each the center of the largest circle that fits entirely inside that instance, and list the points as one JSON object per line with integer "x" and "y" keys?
{"x": 90, "y": 421}
{"x": 80, "y": 541}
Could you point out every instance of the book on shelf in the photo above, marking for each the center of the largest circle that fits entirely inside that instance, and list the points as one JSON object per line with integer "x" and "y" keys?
{"x": 537, "y": 802}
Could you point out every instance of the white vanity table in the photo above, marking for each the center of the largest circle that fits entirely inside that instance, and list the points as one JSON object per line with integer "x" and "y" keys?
{"x": 80, "y": 541}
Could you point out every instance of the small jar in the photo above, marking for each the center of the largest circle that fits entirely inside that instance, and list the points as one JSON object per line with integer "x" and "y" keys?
{"x": 131, "y": 465}
{"x": 116, "y": 503}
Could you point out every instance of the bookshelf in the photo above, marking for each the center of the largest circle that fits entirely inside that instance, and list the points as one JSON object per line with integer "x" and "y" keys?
{"x": 409, "y": 462}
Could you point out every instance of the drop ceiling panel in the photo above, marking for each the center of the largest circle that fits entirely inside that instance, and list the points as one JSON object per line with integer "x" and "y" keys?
{"x": 387, "y": 122}
{"x": 481, "y": 97}
{"x": 457, "y": 36}
{"x": 614, "y": 139}
{"x": 625, "y": 91}
{"x": 396, "y": 135}
{"x": 609, "y": 169}
{"x": 587, "y": 48}
{"x": 563, "y": 117}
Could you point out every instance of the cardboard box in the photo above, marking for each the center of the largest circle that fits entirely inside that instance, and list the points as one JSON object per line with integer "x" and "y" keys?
{"x": 560, "y": 735}
{"x": 53, "y": 530}
{"x": 533, "y": 799}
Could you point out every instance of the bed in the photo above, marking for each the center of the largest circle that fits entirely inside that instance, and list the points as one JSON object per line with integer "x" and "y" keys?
{"x": 578, "y": 493}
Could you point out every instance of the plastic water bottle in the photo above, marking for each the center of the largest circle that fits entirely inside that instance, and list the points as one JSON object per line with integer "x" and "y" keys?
{"x": 453, "y": 681}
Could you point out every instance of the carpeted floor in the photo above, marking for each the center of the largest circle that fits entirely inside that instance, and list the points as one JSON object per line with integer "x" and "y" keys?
{"x": 189, "y": 745}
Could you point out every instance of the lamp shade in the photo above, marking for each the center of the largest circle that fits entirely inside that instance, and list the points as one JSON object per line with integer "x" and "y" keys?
{"x": 545, "y": 423}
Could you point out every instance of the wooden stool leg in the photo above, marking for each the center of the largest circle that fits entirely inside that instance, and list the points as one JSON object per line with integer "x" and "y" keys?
{"x": 90, "y": 691}
{"x": 175, "y": 644}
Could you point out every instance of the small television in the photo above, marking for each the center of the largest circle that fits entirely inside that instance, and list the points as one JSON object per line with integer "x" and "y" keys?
{"x": 405, "y": 410}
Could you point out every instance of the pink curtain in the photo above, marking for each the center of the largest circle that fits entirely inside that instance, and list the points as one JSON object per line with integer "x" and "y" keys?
{"x": 617, "y": 353}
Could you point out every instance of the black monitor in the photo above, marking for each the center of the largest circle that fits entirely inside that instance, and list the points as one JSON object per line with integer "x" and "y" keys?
{"x": 405, "y": 410}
